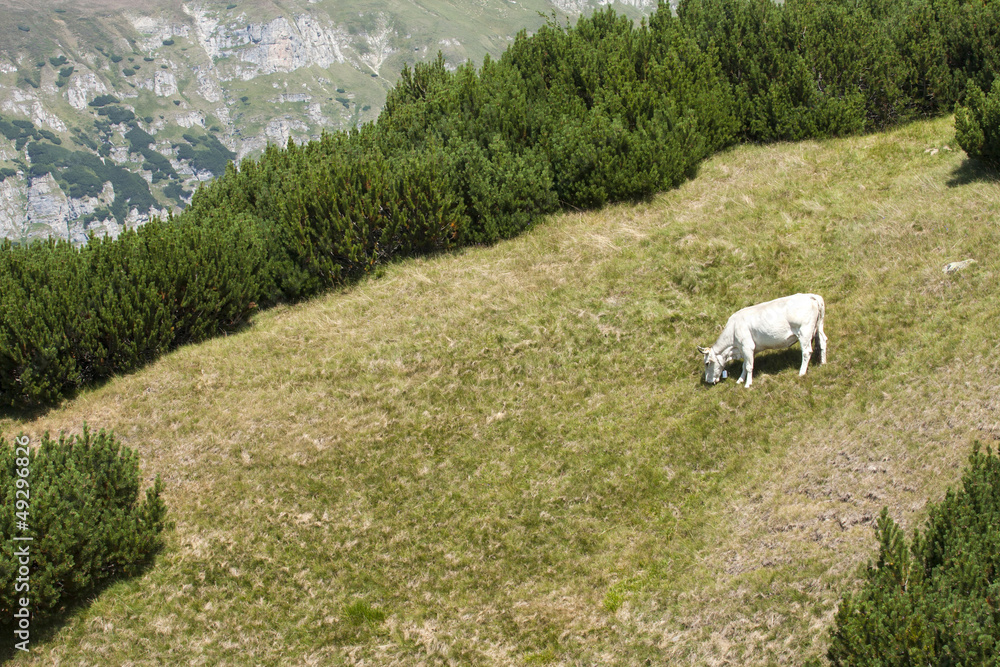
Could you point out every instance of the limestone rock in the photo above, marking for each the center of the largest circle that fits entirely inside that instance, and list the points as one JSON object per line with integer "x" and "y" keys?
{"x": 953, "y": 267}
{"x": 13, "y": 207}
{"x": 83, "y": 88}
{"x": 48, "y": 208}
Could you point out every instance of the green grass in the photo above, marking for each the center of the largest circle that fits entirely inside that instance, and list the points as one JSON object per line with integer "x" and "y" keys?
{"x": 504, "y": 455}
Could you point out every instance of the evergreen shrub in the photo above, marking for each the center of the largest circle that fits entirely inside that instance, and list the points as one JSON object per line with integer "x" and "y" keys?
{"x": 977, "y": 123}
{"x": 76, "y": 315}
{"x": 936, "y": 600}
{"x": 84, "y": 515}
{"x": 102, "y": 100}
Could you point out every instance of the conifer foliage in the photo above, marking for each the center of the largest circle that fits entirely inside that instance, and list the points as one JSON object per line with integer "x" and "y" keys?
{"x": 83, "y": 515}
{"x": 935, "y": 601}
{"x": 577, "y": 117}
{"x": 977, "y": 123}
{"x": 818, "y": 68}
{"x": 70, "y": 316}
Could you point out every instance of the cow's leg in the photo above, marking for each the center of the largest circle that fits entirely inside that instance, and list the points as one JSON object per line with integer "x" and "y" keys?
{"x": 747, "y": 352}
{"x": 748, "y": 371}
{"x": 807, "y": 353}
{"x": 805, "y": 336}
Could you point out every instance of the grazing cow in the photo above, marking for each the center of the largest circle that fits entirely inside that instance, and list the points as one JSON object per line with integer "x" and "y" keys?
{"x": 773, "y": 325}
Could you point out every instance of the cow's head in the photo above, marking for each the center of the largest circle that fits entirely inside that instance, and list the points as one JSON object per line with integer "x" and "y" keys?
{"x": 714, "y": 365}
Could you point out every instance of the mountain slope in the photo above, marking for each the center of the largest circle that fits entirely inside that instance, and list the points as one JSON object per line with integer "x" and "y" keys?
{"x": 504, "y": 455}
{"x": 203, "y": 83}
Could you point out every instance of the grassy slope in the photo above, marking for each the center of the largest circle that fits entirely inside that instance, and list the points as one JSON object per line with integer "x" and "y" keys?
{"x": 508, "y": 453}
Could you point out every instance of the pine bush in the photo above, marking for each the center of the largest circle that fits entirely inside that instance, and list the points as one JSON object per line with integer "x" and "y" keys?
{"x": 935, "y": 601}
{"x": 977, "y": 123}
{"x": 72, "y": 316}
{"x": 85, "y": 519}
{"x": 43, "y": 288}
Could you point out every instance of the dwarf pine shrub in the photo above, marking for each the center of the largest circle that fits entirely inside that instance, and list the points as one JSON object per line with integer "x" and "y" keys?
{"x": 935, "y": 601}
{"x": 71, "y": 316}
{"x": 977, "y": 123}
{"x": 82, "y": 512}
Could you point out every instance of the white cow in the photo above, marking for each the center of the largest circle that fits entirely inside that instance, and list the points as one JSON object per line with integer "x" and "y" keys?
{"x": 773, "y": 325}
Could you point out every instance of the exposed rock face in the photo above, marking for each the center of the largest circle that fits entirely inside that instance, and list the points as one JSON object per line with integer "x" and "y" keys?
{"x": 83, "y": 88}
{"x": 155, "y": 30}
{"x": 322, "y": 45}
{"x": 205, "y": 26}
{"x": 279, "y": 45}
{"x": 163, "y": 84}
{"x": 191, "y": 119}
{"x": 50, "y": 213}
{"x": 315, "y": 113}
{"x": 20, "y": 103}
{"x": 13, "y": 208}
{"x": 379, "y": 43}
{"x": 48, "y": 208}
{"x": 208, "y": 86}
{"x": 280, "y": 131}
{"x": 577, "y": 7}
{"x": 647, "y": 5}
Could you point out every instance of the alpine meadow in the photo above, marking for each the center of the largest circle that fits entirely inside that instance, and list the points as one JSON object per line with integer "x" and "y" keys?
{"x": 428, "y": 391}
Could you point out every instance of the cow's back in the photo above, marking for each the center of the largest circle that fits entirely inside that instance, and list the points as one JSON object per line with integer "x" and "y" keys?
{"x": 775, "y": 324}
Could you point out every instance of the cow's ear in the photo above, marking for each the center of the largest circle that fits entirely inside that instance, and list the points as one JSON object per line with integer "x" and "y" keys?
{"x": 702, "y": 350}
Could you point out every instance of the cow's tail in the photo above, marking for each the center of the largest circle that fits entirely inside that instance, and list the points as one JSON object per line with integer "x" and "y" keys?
{"x": 820, "y": 336}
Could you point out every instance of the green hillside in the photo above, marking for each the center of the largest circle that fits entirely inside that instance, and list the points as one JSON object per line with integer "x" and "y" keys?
{"x": 504, "y": 455}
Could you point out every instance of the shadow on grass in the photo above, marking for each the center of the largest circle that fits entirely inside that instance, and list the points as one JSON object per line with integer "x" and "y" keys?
{"x": 24, "y": 414}
{"x": 44, "y": 630}
{"x": 774, "y": 363}
{"x": 973, "y": 171}
{"x": 29, "y": 413}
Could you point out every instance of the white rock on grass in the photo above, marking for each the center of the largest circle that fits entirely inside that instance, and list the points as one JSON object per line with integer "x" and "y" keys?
{"x": 952, "y": 267}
